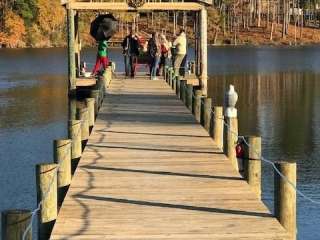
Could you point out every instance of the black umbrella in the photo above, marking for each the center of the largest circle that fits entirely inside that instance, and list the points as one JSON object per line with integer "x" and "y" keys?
{"x": 103, "y": 27}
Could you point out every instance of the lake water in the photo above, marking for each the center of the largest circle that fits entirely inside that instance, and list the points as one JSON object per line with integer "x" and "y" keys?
{"x": 279, "y": 99}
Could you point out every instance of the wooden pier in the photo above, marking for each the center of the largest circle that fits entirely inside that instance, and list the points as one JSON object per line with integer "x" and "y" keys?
{"x": 150, "y": 171}
{"x": 147, "y": 169}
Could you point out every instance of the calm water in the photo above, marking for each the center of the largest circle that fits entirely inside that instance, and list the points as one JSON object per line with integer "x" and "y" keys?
{"x": 279, "y": 99}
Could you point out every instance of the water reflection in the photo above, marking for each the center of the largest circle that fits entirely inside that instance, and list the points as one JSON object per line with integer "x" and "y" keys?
{"x": 279, "y": 106}
{"x": 35, "y": 100}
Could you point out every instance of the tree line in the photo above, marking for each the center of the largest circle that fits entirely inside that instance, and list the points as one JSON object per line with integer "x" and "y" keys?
{"x": 41, "y": 23}
{"x": 268, "y": 15}
{"x": 33, "y": 23}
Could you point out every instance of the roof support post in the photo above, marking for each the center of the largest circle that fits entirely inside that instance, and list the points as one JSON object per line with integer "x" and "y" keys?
{"x": 71, "y": 49}
{"x": 204, "y": 51}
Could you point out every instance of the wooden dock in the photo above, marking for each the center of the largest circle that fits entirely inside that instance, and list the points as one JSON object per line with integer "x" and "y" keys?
{"x": 150, "y": 171}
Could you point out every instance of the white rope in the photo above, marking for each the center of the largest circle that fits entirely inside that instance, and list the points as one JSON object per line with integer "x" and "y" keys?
{"x": 299, "y": 192}
{"x": 37, "y": 209}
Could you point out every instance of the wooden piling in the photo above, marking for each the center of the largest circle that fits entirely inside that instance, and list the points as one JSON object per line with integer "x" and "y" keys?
{"x": 174, "y": 81}
{"x": 204, "y": 50}
{"x": 71, "y": 49}
{"x": 74, "y": 133}
{"x": 166, "y": 74}
{"x": 252, "y": 163}
{"x": 231, "y": 140}
{"x": 96, "y": 95}
{"x": 82, "y": 114}
{"x": 90, "y": 105}
{"x": 177, "y": 79}
{"x": 107, "y": 76}
{"x": 285, "y": 199}
{"x": 218, "y": 126}
{"x": 197, "y": 105}
{"x": 183, "y": 85}
{"x": 189, "y": 96}
{"x": 207, "y": 106}
{"x": 46, "y": 175}
{"x": 72, "y": 105}
{"x": 15, "y": 223}
{"x": 170, "y": 77}
{"x": 62, "y": 156}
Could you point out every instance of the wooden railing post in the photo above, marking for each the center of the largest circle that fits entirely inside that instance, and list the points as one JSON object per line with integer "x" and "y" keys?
{"x": 74, "y": 133}
{"x": 189, "y": 96}
{"x": 46, "y": 175}
{"x": 178, "y": 86}
{"x": 183, "y": 85}
{"x": 91, "y": 115}
{"x": 82, "y": 114}
{"x": 218, "y": 126}
{"x": 207, "y": 106}
{"x": 285, "y": 199}
{"x": 62, "y": 156}
{"x": 170, "y": 77}
{"x": 197, "y": 105}
{"x": 252, "y": 163}
{"x": 174, "y": 82}
{"x": 96, "y": 95}
{"x": 15, "y": 223}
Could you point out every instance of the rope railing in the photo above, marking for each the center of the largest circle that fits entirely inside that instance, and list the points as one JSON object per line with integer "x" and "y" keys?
{"x": 299, "y": 192}
{"x": 45, "y": 195}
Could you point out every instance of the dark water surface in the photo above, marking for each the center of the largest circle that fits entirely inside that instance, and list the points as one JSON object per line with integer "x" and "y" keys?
{"x": 279, "y": 99}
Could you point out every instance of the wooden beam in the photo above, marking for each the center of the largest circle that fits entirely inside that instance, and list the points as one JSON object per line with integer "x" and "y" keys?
{"x": 122, "y": 6}
{"x": 204, "y": 51}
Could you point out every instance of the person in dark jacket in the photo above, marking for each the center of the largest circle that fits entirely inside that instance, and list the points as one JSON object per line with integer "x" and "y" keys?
{"x": 130, "y": 46}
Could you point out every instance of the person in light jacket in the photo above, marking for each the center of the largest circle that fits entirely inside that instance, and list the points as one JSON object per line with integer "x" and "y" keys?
{"x": 180, "y": 44}
{"x": 154, "y": 50}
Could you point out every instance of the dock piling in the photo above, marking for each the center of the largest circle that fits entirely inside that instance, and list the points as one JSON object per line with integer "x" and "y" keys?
{"x": 207, "y": 106}
{"x": 231, "y": 128}
{"x": 285, "y": 199}
{"x": 189, "y": 96}
{"x": 252, "y": 163}
{"x": 174, "y": 82}
{"x": 178, "y": 85}
{"x": 96, "y": 95}
{"x": 217, "y": 129}
{"x": 74, "y": 133}
{"x": 82, "y": 114}
{"x": 62, "y": 156}
{"x": 15, "y": 223}
{"x": 183, "y": 84}
{"x": 197, "y": 105}
{"x": 91, "y": 115}
{"x": 231, "y": 140}
{"x": 46, "y": 175}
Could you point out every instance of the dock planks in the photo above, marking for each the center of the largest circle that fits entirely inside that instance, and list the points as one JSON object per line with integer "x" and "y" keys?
{"x": 149, "y": 171}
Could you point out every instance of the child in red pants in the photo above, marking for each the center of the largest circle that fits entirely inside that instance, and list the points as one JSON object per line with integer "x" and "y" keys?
{"x": 102, "y": 57}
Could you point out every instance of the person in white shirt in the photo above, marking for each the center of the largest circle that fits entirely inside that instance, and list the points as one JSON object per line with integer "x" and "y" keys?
{"x": 181, "y": 50}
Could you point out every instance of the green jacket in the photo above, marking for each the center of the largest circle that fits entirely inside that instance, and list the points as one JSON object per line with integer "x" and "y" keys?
{"x": 103, "y": 48}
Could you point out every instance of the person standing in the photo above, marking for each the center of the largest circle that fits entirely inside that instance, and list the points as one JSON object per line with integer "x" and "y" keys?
{"x": 154, "y": 50}
{"x": 165, "y": 53}
{"x": 181, "y": 50}
{"x": 130, "y": 46}
{"x": 102, "y": 57}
